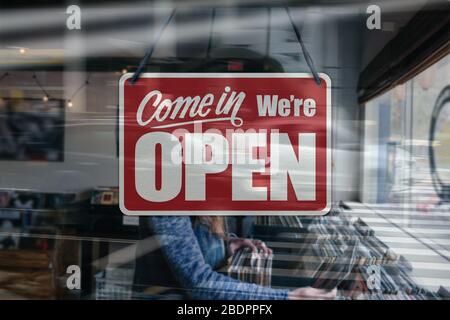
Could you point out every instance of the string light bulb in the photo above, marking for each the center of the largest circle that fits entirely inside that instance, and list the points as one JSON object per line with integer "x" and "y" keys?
{"x": 85, "y": 84}
{"x": 22, "y": 50}
{"x": 124, "y": 71}
{"x": 45, "y": 96}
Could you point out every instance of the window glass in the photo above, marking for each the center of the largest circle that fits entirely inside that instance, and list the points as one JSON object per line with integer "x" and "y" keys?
{"x": 63, "y": 234}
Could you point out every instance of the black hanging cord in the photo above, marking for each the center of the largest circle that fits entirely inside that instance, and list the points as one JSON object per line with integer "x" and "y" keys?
{"x": 4, "y": 76}
{"x": 150, "y": 50}
{"x": 308, "y": 59}
{"x": 86, "y": 82}
{"x": 210, "y": 39}
{"x": 269, "y": 26}
{"x": 39, "y": 85}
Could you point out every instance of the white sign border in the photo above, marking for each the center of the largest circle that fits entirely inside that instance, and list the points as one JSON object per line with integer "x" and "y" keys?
{"x": 127, "y": 212}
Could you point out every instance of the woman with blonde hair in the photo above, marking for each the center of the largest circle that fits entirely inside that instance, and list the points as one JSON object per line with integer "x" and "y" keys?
{"x": 192, "y": 249}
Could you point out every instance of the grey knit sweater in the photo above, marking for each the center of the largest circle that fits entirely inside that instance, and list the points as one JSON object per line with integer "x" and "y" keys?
{"x": 183, "y": 253}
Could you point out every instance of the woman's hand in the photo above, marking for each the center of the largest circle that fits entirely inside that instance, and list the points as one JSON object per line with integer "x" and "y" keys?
{"x": 309, "y": 293}
{"x": 234, "y": 244}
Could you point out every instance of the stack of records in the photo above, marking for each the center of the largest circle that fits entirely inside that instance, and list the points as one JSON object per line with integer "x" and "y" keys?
{"x": 398, "y": 296}
{"x": 285, "y": 221}
{"x": 337, "y": 227}
{"x": 338, "y": 250}
{"x": 254, "y": 267}
{"x": 393, "y": 280}
{"x": 362, "y": 228}
{"x": 329, "y": 237}
{"x": 329, "y": 275}
{"x": 372, "y": 252}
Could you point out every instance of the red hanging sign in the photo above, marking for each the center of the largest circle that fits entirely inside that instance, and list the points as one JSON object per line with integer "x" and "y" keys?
{"x": 238, "y": 144}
